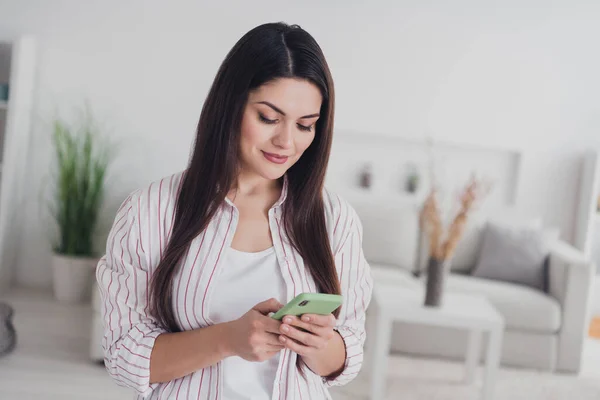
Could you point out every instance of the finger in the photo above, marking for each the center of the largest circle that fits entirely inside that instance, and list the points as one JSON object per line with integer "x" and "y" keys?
{"x": 294, "y": 346}
{"x": 267, "y": 306}
{"x": 271, "y": 325}
{"x": 297, "y": 322}
{"x": 274, "y": 347}
{"x": 272, "y": 339}
{"x": 327, "y": 321}
{"x": 305, "y": 338}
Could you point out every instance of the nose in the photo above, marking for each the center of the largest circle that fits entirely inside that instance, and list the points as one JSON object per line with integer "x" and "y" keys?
{"x": 284, "y": 138}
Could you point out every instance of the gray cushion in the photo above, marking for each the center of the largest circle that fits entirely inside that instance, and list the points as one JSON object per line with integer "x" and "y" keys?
{"x": 467, "y": 251}
{"x": 515, "y": 255}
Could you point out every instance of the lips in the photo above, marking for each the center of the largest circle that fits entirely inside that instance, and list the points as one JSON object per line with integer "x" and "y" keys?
{"x": 275, "y": 158}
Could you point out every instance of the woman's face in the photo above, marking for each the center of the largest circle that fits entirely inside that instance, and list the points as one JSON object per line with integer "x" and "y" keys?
{"x": 278, "y": 126}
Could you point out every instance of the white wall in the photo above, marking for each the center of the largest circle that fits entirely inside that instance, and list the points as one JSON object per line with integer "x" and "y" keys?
{"x": 510, "y": 74}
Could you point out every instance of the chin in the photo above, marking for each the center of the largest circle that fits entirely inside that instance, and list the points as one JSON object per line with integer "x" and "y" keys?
{"x": 273, "y": 175}
{"x": 272, "y": 172}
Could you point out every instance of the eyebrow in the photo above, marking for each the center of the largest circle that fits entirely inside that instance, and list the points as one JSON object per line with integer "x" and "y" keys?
{"x": 282, "y": 113}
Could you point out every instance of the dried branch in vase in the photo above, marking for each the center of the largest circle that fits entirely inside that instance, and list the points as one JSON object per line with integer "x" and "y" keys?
{"x": 431, "y": 224}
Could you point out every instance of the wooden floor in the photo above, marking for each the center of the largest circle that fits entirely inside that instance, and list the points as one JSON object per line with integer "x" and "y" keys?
{"x": 51, "y": 363}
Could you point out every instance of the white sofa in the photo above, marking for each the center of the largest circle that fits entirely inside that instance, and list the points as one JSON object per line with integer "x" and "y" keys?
{"x": 543, "y": 331}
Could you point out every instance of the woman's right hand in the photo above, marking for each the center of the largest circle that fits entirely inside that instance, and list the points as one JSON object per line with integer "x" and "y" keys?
{"x": 255, "y": 336}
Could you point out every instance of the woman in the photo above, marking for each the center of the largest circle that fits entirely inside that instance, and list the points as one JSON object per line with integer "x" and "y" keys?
{"x": 196, "y": 262}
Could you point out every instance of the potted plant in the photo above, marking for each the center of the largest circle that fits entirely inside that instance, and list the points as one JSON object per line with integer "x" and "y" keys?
{"x": 82, "y": 159}
{"x": 443, "y": 242}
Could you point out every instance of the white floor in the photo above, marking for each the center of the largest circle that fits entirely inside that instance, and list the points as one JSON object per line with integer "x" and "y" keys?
{"x": 51, "y": 362}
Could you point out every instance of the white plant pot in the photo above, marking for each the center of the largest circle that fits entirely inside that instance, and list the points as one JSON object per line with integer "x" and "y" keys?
{"x": 73, "y": 277}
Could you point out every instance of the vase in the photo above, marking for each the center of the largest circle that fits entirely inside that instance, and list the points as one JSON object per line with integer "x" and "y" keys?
{"x": 73, "y": 277}
{"x": 437, "y": 271}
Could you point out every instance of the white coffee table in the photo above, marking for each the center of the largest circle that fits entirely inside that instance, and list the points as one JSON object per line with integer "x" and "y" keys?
{"x": 396, "y": 303}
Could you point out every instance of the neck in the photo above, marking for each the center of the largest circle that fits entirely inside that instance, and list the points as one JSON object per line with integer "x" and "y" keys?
{"x": 255, "y": 185}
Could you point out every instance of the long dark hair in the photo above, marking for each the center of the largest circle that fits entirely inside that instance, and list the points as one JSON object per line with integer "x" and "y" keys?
{"x": 265, "y": 53}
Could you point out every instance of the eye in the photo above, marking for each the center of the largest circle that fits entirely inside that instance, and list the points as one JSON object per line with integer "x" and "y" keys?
{"x": 305, "y": 128}
{"x": 266, "y": 120}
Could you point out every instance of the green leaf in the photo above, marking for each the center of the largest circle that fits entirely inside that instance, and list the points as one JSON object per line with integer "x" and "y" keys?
{"x": 82, "y": 159}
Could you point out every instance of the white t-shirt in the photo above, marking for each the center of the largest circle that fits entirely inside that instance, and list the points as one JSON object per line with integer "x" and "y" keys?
{"x": 246, "y": 280}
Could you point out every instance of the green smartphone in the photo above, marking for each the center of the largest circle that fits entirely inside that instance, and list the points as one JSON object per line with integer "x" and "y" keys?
{"x": 310, "y": 303}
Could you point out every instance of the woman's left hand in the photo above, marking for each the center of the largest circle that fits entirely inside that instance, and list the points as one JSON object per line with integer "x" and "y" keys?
{"x": 308, "y": 335}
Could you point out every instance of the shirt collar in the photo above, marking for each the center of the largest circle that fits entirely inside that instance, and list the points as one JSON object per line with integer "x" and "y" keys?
{"x": 282, "y": 197}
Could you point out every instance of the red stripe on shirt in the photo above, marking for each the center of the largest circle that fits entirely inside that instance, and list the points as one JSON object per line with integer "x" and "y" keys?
{"x": 293, "y": 281}
{"x": 356, "y": 282}
{"x": 201, "y": 379}
{"x": 165, "y": 233}
{"x": 150, "y": 264}
{"x": 209, "y": 382}
{"x": 160, "y": 245}
{"x": 180, "y": 385}
{"x": 339, "y": 216}
{"x": 113, "y": 271}
{"x": 177, "y": 294}
{"x": 215, "y": 267}
{"x": 298, "y": 384}
{"x": 134, "y": 353}
{"x": 192, "y": 268}
{"x": 175, "y": 203}
{"x": 208, "y": 253}
{"x": 132, "y": 374}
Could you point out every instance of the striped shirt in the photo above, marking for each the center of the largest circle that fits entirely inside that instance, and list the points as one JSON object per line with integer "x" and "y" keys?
{"x": 135, "y": 245}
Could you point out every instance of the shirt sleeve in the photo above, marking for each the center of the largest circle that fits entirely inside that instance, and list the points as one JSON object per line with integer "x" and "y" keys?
{"x": 357, "y": 285}
{"x": 123, "y": 279}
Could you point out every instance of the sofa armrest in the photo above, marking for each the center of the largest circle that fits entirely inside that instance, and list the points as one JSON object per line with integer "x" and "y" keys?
{"x": 570, "y": 282}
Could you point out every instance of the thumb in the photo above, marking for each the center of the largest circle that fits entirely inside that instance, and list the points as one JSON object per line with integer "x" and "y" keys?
{"x": 271, "y": 305}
